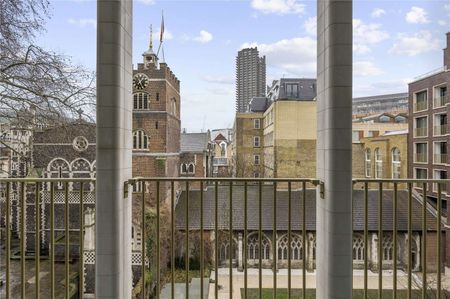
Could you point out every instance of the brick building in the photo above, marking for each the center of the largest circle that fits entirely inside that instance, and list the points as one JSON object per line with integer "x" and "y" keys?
{"x": 428, "y": 131}
{"x": 222, "y": 155}
{"x": 196, "y": 155}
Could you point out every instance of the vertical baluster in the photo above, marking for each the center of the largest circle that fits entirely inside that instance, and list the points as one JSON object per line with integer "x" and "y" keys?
{"x": 231, "y": 239}
{"x": 439, "y": 232}
{"x": 424, "y": 242}
{"x": 409, "y": 240}
{"x": 380, "y": 240}
{"x": 81, "y": 262}
{"x": 201, "y": 241}
{"x": 366, "y": 237}
{"x": 303, "y": 239}
{"x": 22, "y": 239}
{"x": 274, "y": 240}
{"x": 142, "y": 184}
{"x": 187, "y": 239}
{"x": 172, "y": 237}
{"x": 37, "y": 250}
{"x": 289, "y": 239}
{"x": 158, "y": 236}
{"x": 52, "y": 240}
{"x": 260, "y": 239}
{"x": 66, "y": 239}
{"x": 216, "y": 241}
{"x": 245, "y": 239}
{"x": 394, "y": 233}
{"x": 8, "y": 240}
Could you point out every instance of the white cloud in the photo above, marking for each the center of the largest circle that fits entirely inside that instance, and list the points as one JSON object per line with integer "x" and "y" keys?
{"x": 146, "y": 2}
{"x": 310, "y": 26}
{"x": 167, "y": 34}
{"x": 365, "y": 34}
{"x": 418, "y": 43}
{"x": 381, "y": 87}
{"x": 378, "y": 12}
{"x": 442, "y": 22}
{"x": 296, "y": 56}
{"x": 83, "y": 22}
{"x": 280, "y": 7}
{"x": 417, "y": 15}
{"x": 366, "y": 68}
{"x": 204, "y": 37}
{"x": 447, "y": 9}
{"x": 219, "y": 79}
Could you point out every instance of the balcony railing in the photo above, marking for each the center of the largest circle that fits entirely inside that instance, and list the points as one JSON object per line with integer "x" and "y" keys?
{"x": 440, "y": 158}
{"x": 419, "y": 106}
{"x": 421, "y": 158}
{"x": 440, "y": 130}
{"x": 220, "y": 161}
{"x": 440, "y": 101}
{"x": 421, "y": 132}
{"x": 225, "y": 235}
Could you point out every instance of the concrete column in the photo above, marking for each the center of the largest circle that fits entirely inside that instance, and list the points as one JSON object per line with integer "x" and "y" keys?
{"x": 114, "y": 125}
{"x": 334, "y": 148}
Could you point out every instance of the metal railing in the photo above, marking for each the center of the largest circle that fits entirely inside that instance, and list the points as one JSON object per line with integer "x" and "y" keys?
{"x": 421, "y": 132}
{"x": 29, "y": 203}
{"x": 420, "y": 106}
{"x": 440, "y": 130}
{"x": 422, "y": 219}
{"x": 440, "y": 158}
{"x": 440, "y": 101}
{"x": 211, "y": 229}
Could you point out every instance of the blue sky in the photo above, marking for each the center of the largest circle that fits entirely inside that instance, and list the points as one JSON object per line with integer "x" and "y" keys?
{"x": 394, "y": 41}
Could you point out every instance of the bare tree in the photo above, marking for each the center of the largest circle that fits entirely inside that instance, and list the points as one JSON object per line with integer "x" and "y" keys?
{"x": 38, "y": 86}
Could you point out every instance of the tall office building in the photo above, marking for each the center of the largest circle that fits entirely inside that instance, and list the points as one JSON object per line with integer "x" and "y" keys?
{"x": 250, "y": 77}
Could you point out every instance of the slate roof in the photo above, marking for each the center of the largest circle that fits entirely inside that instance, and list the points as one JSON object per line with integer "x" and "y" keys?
{"x": 258, "y": 104}
{"x": 282, "y": 210}
{"x": 384, "y": 97}
{"x": 307, "y": 89}
{"x": 194, "y": 142}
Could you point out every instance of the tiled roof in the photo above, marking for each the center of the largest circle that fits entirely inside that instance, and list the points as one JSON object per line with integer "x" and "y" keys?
{"x": 282, "y": 209}
{"x": 194, "y": 142}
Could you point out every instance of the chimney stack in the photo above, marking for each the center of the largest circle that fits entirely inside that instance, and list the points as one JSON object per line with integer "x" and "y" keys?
{"x": 447, "y": 53}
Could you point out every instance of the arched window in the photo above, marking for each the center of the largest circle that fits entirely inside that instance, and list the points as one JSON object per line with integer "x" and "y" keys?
{"x": 296, "y": 248}
{"x": 184, "y": 168}
{"x": 368, "y": 164}
{"x": 140, "y": 101}
{"x": 396, "y": 163}
{"x": 140, "y": 140}
{"x": 253, "y": 247}
{"x": 358, "y": 248}
{"x": 191, "y": 168}
{"x": 223, "y": 149}
{"x": 81, "y": 168}
{"x": 388, "y": 248}
{"x": 224, "y": 250}
{"x": 59, "y": 168}
{"x": 378, "y": 164}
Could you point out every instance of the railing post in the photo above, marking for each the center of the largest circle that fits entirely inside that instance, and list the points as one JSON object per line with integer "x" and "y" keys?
{"x": 334, "y": 148}
{"x": 114, "y": 125}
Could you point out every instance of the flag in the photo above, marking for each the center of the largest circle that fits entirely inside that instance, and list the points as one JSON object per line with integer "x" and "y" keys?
{"x": 162, "y": 29}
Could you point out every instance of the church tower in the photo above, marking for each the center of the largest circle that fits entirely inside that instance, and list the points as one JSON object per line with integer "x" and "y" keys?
{"x": 156, "y": 126}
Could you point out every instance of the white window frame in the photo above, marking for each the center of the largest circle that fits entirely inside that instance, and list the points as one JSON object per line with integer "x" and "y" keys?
{"x": 257, "y": 123}
{"x": 256, "y": 141}
{"x": 141, "y": 103}
{"x": 396, "y": 164}
{"x": 257, "y": 159}
{"x": 415, "y": 100}
{"x": 141, "y": 141}
{"x": 435, "y": 89}
{"x": 378, "y": 157}
{"x": 415, "y": 126}
{"x": 367, "y": 162}
{"x": 415, "y": 152}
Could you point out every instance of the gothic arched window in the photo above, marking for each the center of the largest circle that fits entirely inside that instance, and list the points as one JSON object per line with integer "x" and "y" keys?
{"x": 388, "y": 248}
{"x": 358, "y": 247}
{"x": 396, "y": 163}
{"x": 296, "y": 248}
{"x": 378, "y": 163}
{"x": 254, "y": 250}
{"x": 368, "y": 164}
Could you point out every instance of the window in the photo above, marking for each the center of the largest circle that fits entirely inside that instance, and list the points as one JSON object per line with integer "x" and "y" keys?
{"x": 421, "y": 173}
{"x": 421, "y": 126}
{"x": 421, "y": 101}
{"x": 400, "y": 119}
{"x": 378, "y": 164}
{"x": 256, "y": 141}
{"x": 396, "y": 163}
{"x": 157, "y": 96}
{"x": 440, "y": 124}
{"x": 421, "y": 154}
{"x": 184, "y": 168}
{"x": 356, "y": 136}
{"x": 140, "y": 101}
{"x": 257, "y": 123}
{"x": 384, "y": 119}
{"x": 254, "y": 250}
{"x": 296, "y": 248}
{"x": 440, "y": 96}
{"x": 138, "y": 186}
{"x": 368, "y": 164}
{"x": 256, "y": 174}
{"x": 440, "y": 152}
{"x": 156, "y": 125}
{"x": 256, "y": 159}
{"x": 140, "y": 140}
{"x": 223, "y": 149}
{"x": 358, "y": 248}
{"x": 292, "y": 90}
{"x": 373, "y": 133}
{"x": 440, "y": 175}
{"x": 191, "y": 168}
{"x": 388, "y": 248}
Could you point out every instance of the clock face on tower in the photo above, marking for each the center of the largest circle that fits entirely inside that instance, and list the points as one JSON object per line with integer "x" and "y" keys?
{"x": 140, "y": 81}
